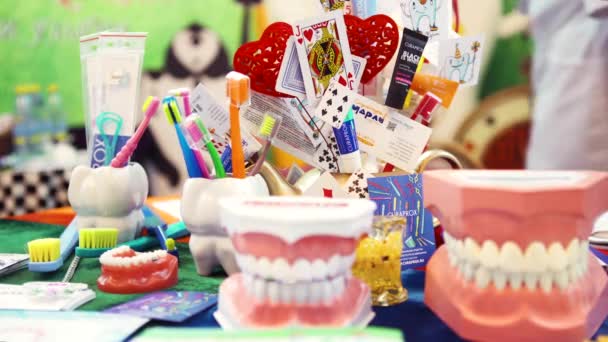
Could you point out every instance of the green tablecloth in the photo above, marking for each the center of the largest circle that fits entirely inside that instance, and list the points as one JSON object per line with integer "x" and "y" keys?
{"x": 15, "y": 235}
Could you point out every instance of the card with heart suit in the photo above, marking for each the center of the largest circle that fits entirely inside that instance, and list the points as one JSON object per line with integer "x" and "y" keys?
{"x": 325, "y": 186}
{"x": 356, "y": 185}
{"x": 335, "y": 104}
{"x": 324, "y": 53}
{"x": 290, "y": 80}
{"x": 460, "y": 59}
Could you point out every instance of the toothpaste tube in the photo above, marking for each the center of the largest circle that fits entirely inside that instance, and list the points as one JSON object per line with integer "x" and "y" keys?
{"x": 408, "y": 58}
{"x": 346, "y": 137}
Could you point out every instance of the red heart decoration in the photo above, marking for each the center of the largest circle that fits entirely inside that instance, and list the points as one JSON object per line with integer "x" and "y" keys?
{"x": 375, "y": 39}
{"x": 261, "y": 59}
{"x": 308, "y": 34}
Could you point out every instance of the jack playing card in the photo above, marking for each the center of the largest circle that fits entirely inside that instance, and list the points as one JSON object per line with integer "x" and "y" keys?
{"x": 324, "y": 53}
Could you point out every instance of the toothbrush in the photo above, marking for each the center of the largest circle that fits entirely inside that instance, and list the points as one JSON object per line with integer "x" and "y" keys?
{"x": 184, "y": 94}
{"x": 67, "y": 242}
{"x": 174, "y": 117}
{"x": 268, "y": 130}
{"x": 149, "y": 108}
{"x": 238, "y": 90}
{"x": 198, "y": 136}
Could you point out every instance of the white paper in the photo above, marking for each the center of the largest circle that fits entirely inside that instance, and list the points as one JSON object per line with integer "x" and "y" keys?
{"x": 431, "y": 18}
{"x": 403, "y": 142}
{"x": 371, "y": 119}
{"x": 460, "y": 59}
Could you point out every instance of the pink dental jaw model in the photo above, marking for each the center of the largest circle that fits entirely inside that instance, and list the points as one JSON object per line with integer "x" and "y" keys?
{"x": 516, "y": 264}
{"x": 295, "y": 255}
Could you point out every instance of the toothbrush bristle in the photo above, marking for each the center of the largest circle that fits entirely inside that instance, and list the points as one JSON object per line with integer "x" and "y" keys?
{"x": 170, "y": 108}
{"x": 267, "y": 126}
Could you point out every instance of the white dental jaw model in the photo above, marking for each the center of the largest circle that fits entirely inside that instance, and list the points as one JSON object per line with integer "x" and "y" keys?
{"x": 108, "y": 197}
{"x": 209, "y": 242}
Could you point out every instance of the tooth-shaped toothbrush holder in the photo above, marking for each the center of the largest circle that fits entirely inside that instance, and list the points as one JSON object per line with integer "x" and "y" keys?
{"x": 108, "y": 197}
{"x": 209, "y": 242}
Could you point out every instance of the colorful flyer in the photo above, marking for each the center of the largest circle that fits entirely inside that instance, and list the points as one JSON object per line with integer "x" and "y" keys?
{"x": 460, "y": 59}
{"x": 172, "y": 306}
{"x": 403, "y": 196}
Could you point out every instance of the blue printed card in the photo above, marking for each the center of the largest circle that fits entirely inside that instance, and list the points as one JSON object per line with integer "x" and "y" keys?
{"x": 403, "y": 196}
{"x": 172, "y": 306}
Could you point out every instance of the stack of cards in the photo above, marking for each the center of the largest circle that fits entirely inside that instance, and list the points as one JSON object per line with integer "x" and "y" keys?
{"x": 10, "y": 263}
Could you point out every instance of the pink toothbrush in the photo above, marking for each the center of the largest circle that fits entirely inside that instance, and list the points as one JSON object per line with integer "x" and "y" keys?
{"x": 150, "y": 107}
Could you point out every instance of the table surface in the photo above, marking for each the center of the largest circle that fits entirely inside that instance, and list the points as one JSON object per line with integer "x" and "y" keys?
{"x": 412, "y": 317}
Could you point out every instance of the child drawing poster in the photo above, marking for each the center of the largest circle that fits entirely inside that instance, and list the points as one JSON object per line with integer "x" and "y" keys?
{"x": 460, "y": 59}
{"x": 429, "y": 17}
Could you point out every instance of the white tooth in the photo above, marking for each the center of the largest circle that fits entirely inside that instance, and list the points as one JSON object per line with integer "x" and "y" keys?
{"x": 301, "y": 270}
{"x": 459, "y": 249}
{"x": 468, "y": 271}
{"x": 318, "y": 269}
{"x": 531, "y": 278}
{"x": 315, "y": 292}
{"x": 511, "y": 258}
{"x": 453, "y": 258}
{"x": 447, "y": 237}
{"x": 546, "y": 281}
{"x": 471, "y": 251}
{"x": 558, "y": 259}
{"x": 561, "y": 279}
{"x": 536, "y": 258}
{"x": 572, "y": 276}
{"x": 334, "y": 265}
{"x": 241, "y": 260}
{"x": 263, "y": 267}
{"x": 489, "y": 254}
{"x": 338, "y": 286}
{"x": 572, "y": 251}
{"x": 272, "y": 291}
{"x": 461, "y": 264}
{"x": 300, "y": 293}
{"x": 328, "y": 291}
{"x": 482, "y": 278}
{"x": 515, "y": 280}
{"x": 578, "y": 271}
{"x": 347, "y": 261}
{"x": 281, "y": 270}
{"x": 286, "y": 293}
{"x": 259, "y": 288}
{"x": 500, "y": 279}
{"x": 584, "y": 255}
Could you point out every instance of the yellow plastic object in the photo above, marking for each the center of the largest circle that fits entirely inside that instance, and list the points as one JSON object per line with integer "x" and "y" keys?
{"x": 378, "y": 261}
{"x": 170, "y": 244}
{"x": 98, "y": 238}
{"x": 44, "y": 250}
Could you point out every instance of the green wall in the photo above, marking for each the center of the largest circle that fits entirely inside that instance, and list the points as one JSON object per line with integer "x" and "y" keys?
{"x": 39, "y": 38}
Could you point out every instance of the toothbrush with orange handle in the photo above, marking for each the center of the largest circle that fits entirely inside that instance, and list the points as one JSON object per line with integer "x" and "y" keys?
{"x": 238, "y": 90}
{"x": 150, "y": 107}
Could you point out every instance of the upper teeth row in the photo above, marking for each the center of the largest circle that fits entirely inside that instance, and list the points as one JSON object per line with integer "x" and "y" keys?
{"x": 300, "y": 270}
{"x": 110, "y": 257}
{"x": 510, "y": 257}
{"x": 536, "y": 266}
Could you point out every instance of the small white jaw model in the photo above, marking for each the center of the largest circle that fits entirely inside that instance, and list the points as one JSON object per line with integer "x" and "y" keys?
{"x": 110, "y": 198}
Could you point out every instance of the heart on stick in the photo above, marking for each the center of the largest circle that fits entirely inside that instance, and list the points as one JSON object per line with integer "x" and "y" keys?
{"x": 261, "y": 59}
{"x": 376, "y": 39}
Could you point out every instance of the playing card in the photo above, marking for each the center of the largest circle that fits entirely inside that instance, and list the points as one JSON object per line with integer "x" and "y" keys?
{"x": 324, "y": 53}
{"x": 356, "y": 185}
{"x": 325, "y": 186}
{"x": 335, "y": 104}
{"x": 359, "y": 64}
{"x": 431, "y": 18}
{"x": 290, "y": 80}
{"x": 460, "y": 59}
{"x": 326, "y": 156}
